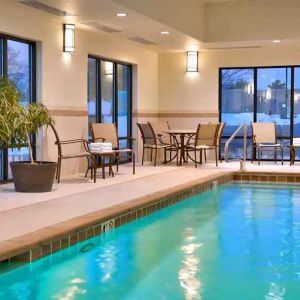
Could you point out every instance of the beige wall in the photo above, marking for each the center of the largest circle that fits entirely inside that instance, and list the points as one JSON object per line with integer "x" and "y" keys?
{"x": 252, "y": 20}
{"x": 62, "y": 78}
{"x": 187, "y": 98}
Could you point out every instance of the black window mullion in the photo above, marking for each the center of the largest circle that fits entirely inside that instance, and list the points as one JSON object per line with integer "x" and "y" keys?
{"x": 129, "y": 107}
{"x": 98, "y": 92}
{"x": 292, "y": 104}
{"x": 255, "y": 96}
{"x": 4, "y": 73}
{"x": 115, "y": 94}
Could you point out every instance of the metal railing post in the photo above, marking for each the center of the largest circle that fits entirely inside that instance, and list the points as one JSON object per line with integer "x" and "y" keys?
{"x": 226, "y": 149}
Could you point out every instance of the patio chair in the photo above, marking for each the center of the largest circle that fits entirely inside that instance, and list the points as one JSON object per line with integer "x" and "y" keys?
{"x": 207, "y": 138}
{"x": 62, "y": 155}
{"x": 107, "y": 132}
{"x": 153, "y": 142}
{"x": 220, "y": 134}
{"x": 159, "y": 129}
{"x": 264, "y": 137}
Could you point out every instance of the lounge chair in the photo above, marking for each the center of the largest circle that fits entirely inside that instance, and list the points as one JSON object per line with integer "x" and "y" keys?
{"x": 153, "y": 142}
{"x": 207, "y": 138}
{"x": 107, "y": 132}
{"x": 62, "y": 155}
{"x": 264, "y": 137}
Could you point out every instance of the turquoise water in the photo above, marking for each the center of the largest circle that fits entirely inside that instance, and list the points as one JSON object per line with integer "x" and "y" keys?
{"x": 234, "y": 242}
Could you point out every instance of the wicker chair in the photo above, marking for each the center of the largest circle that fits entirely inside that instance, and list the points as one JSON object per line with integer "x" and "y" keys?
{"x": 264, "y": 137}
{"x": 62, "y": 155}
{"x": 107, "y": 132}
{"x": 207, "y": 138}
{"x": 153, "y": 142}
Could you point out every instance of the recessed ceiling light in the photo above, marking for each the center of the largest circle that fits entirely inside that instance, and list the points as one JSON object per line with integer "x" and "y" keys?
{"x": 276, "y": 41}
{"x": 120, "y": 14}
{"x": 165, "y": 32}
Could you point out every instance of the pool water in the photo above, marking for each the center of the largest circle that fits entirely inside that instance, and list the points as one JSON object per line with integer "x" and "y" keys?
{"x": 237, "y": 241}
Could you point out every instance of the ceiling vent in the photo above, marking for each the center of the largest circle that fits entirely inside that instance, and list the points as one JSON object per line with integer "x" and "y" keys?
{"x": 142, "y": 41}
{"x": 100, "y": 27}
{"x": 46, "y": 8}
{"x": 234, "y": 48}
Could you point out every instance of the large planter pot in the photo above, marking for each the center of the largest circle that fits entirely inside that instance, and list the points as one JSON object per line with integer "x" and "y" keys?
{"x": 33, "y": 178}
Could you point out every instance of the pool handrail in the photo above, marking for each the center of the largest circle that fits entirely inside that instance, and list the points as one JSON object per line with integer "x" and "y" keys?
{"x": 244, "y": 127}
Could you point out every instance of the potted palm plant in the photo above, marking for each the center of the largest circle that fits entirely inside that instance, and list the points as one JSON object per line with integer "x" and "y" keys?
{"x": 17, "y": 124}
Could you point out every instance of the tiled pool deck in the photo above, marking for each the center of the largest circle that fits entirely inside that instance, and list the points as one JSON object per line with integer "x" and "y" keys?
{"x": 36, "y": 225}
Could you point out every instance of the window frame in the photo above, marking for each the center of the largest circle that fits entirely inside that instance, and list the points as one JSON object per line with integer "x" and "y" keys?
{"x": 255, "y": 69}
{"x": 32, "y": 89}
{"x": 115, "y": 63}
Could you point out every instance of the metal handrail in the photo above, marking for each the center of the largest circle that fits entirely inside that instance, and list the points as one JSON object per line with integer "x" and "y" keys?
{"x": 244, "y": 127}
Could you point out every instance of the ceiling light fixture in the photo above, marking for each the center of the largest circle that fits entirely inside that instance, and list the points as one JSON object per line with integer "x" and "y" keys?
{"x": 276, "y": 41}
{"x": 165, "y": 32}
{"x": 121, "y": 14}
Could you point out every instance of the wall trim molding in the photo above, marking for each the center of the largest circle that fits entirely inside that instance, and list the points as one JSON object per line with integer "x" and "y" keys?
{"x": 68, "y": 113}
{"x": 176, "y": 114}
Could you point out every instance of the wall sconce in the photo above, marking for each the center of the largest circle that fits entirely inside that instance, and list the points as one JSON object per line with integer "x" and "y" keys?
{"x": 69, "y": 38}
{"x": 192, "y": 61}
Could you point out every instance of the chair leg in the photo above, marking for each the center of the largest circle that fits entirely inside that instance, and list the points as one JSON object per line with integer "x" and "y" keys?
{"x": 143, "y": 155}
{"x": 275, "y": 155}
{"x": 259, "y": 154}
{"x": 151, "y": 155}
{"x": 103, "y": 167}
{"x": 205, "y": 155}
{"x": 117, "y": 158}
{"x": 216, "y": 156}
{"x": 155, "y": 157}
{"x": 282, "y": 154}
{"x": 58, "y": 170}
{"x": 133, "y": 162}
{"x": 165, "y": 155}
{"x": 57, "y": 167}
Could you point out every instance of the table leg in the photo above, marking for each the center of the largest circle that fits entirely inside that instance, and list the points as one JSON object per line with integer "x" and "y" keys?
{"x": 292, "y": 155}
{"x": 103, "y": 166}
{"x": 181, "y": 149}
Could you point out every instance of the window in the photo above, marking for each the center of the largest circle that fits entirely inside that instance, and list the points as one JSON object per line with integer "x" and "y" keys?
{"x": 260, "y": 94}
{"x": 17, "y": 62}
{"x": 109, "y": 96}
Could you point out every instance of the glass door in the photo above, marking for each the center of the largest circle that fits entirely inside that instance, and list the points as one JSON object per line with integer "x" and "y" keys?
{"x": 109, "y": 96}
{"x": 107, "y": 91}
{"x": 123, "y": 105}
{"x": 17, "y": 62}
{"x": 274, "y": 102}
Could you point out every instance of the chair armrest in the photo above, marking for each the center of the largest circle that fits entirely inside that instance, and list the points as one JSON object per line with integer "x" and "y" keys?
{"x": 66, "y": 142}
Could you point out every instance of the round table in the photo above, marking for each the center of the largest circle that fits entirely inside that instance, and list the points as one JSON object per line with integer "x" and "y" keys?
{"x": 182, "y": 133}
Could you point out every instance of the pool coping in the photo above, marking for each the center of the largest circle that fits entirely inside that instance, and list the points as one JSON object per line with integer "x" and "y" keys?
{"x": 43, "y": 242}
{"x": 47, "y": 241}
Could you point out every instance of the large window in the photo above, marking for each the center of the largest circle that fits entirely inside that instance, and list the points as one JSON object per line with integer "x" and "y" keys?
{"x": 17, "y": 62}
{"x": 109, "y": 96}
{"x": 260, "y": 94}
